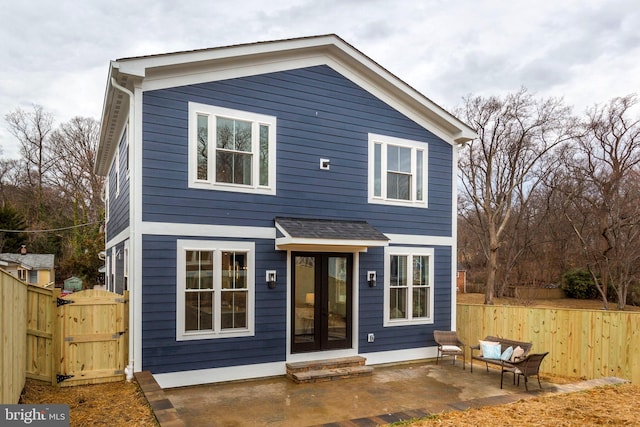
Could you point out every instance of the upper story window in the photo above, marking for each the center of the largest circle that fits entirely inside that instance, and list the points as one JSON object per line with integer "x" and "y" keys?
{"x": 408, "y": 282}
{"x": 397, "y": 171}
{"x": 231, "y": 150}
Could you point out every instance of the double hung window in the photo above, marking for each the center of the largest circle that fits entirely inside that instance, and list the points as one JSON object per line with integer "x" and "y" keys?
{"x": 215, "y": 289}
{"x": 397, "y": 171}
{"x": 408, "y": 286}
{"x": 231, "y": 150}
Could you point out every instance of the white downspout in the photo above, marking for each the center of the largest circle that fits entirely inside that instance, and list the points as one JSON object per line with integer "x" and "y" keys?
{"x": 129, "y": 369}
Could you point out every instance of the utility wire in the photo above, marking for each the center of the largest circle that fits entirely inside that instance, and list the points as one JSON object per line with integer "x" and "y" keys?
{"x": 51, "y": 229}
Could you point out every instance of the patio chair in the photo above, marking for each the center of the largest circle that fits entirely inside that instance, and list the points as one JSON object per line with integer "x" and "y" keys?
{"x": 449, "y": 345}
{"x": 526, "y": 367}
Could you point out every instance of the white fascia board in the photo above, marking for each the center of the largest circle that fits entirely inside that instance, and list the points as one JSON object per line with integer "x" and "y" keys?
{"x": 138, "y": 66}
{"x": 176, "y": 69}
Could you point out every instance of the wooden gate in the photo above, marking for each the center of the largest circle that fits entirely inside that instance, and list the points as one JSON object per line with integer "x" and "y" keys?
{"x": 81, "y": 338}
{"x": 92, "y": 337}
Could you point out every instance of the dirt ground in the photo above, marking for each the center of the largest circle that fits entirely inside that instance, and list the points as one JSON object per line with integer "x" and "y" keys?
{"x": 111, "y": 404}
{"x": 610, "y": 405}
{"x": 123, "y": 404}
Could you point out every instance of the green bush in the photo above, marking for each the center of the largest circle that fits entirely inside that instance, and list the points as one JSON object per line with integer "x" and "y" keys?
{"x": 578, "y": 283}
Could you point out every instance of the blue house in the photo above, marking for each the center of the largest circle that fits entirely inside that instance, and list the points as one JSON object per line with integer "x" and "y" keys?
{"x": 276, "y": 202}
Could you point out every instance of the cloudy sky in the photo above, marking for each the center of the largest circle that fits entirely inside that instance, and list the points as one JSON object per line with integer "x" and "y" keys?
{"x": 56, "y": 53}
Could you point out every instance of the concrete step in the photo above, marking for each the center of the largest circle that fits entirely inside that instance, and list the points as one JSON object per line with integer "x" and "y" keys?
{"x": 330, "y": 374}
{"x": 341, "y": 362}
{"x": 328, "y": 369}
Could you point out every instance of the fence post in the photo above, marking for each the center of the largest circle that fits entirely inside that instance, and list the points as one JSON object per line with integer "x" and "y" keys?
{"x": 56, "y": 336}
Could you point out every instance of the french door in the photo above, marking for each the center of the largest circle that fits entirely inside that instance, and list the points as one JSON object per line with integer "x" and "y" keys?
{"x": 321, "y": 312}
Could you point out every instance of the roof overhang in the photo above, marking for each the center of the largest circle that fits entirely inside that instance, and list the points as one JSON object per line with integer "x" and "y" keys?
{"x": 164, "y": 70}
{"x": 327, "y": 234}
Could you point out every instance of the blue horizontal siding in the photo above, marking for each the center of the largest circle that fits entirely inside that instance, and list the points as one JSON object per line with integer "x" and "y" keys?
{"x": 320, "y": 114}
{"x": 118, "y": 205}
{"x": 162, "y": 353}
{"x": 403, "y": 337}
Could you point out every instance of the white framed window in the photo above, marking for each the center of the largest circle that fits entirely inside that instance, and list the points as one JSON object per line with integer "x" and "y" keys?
{"x": 397, "y": 171}
{"x": 116, "y": 162}
{"x": 22, "y": 274}
{"x": 408, "y": 286}
{"x": 107, "y": 209}
{"x": 112, "y": 270}
{"x": 125, "y": 271}
{"x": 215, "y": 289}
{"x": 231, "y": 150}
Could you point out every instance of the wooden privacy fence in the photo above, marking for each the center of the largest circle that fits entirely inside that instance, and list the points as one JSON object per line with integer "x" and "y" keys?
{"x": 13, "y": 329}
{"x": 81, "y": 338}
{"x": 581, "y": 343}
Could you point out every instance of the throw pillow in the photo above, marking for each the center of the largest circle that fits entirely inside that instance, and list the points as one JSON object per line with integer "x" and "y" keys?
{"x": 491, "y": 351}
{"x": 517, "y": 354}
{"x": 485, "y": 342}
{"x": 451, "y": 348}
{"x": 506, "y": 354}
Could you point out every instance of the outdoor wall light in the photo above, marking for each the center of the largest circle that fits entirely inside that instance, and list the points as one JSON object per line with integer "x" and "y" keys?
{"x": 371, "y": 278}
{"x": 271, "y": 279}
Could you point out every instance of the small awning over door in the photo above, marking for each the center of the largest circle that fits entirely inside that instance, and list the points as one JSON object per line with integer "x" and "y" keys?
{"x": 301, "y": 233}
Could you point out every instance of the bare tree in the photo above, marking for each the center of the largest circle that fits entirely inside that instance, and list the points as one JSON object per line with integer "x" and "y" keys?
{"x": 503, "y": 167}
{"x": 602, "y": 190}
{"x": 74, "y": 144}
{"x": 32, "y": 129}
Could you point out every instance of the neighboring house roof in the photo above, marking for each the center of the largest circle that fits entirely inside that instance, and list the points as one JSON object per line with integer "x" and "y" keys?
{"x": 31, "y": 261}
{"x": 304, "y": 231}
{"x": 221, "y": 63}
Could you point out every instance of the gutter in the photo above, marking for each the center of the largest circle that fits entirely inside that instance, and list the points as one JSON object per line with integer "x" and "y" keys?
{"x": 130, "y": 367}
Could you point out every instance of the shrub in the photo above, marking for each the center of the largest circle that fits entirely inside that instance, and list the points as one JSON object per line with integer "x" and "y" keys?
{"x": 578, "y": 283}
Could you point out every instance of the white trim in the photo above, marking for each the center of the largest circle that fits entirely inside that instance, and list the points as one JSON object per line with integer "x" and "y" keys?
{"x": 397, "y": 356}
{"x": 454, "y": 233}
{"x": 217, "y": 247}
{"x": 206, "y": 230}
{"x": 215, "y": 375}
{"x": 418, "y": 240}
{"x": 126, "y": 264}
{"x": 212, "y": 112}
{"x": 355, "y": 316}
{"x": 135, "y": 218}
{"x": 410, "y": 252}
{"x": 119, "y": 238}
{"x": 417, "y": 148}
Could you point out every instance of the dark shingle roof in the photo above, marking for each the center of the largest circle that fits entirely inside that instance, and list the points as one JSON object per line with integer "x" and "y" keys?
{"x": 329, "y": 229}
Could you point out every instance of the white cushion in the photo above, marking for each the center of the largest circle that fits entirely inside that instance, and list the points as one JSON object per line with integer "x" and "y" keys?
{"x": 451, "y": 348}
{"x": 517, "y": 353}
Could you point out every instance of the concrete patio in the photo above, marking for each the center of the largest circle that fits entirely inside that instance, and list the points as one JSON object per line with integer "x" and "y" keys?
{"x": 392, "y": 393}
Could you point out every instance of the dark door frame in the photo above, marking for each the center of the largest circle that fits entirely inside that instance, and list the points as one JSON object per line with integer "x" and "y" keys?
{"x": 321, "y": 339}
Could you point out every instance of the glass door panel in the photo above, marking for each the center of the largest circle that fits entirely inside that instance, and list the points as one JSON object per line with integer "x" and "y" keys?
{"x": 337, "y": 327}
{"x": 304, "y": 302}
{"x": 321, "y": 301}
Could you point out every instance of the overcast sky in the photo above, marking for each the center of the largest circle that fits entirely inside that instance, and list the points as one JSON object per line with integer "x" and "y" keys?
{"x": 56, "y": 53}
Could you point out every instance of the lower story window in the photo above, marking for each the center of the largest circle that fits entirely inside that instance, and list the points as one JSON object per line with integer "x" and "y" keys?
{"x": 408, "y": 286}
{"x": 215, "y": 285}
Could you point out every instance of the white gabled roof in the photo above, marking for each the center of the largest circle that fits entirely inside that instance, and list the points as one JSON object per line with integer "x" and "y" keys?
{"x": 198, "y": 66}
